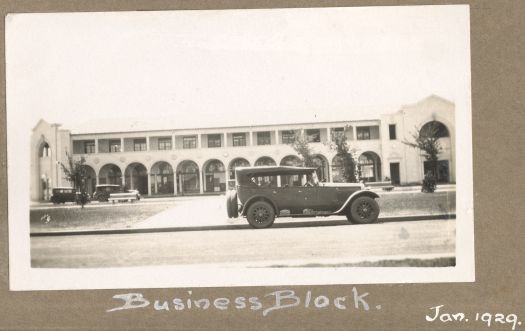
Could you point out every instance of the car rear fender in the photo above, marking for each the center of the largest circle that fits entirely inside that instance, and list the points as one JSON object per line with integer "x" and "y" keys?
{"x": 354, "y": 196}
{"x": 257, "y": 198}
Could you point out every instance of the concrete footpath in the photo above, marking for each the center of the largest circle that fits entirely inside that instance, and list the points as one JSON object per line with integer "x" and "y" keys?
{"x": 209, "y": 213}
{"x": 167, "y": 199}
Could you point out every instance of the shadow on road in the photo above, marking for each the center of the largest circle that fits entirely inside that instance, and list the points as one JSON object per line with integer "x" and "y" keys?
{"x": 276, "y": 225}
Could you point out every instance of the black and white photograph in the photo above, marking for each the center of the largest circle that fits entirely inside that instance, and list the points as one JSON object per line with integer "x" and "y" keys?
{"x": 239, "y": 147}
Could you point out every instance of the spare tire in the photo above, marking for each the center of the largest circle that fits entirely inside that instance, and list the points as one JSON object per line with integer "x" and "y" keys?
{"x": 234, "y": 211}
{"x": 228, "y": 204}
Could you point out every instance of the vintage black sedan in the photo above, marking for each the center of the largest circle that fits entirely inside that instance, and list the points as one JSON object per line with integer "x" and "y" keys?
{"x": 263, "y": 193}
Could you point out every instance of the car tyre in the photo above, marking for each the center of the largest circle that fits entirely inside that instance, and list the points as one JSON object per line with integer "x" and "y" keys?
{"x": 260, "y": 215}
{"x": 234, "y": 211}
{"x": 364, "y": 210}
{"x": 103, "y": 198}
{"x": 228, "y": 204}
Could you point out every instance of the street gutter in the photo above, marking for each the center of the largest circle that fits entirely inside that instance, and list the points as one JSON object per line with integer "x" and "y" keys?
{"x": 278, "y": 224}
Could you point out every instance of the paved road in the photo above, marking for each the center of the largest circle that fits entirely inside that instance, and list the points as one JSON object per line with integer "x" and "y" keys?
{"x": 284, "y": 245}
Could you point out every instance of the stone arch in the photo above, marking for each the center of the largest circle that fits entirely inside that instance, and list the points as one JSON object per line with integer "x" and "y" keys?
{"x": 338, "y": 169}
{"x": 436, "y": 128}
{"x": 90, "y": 179}
{"x": 214, "y": 175}
{"x": 369, "y": 167}
{"x": 188, "y": 178}
{"x": 237, "y": 162}
{"x": 291, "y": 160}
{"x": 321, "y": 163}
{"x": 136, "y": 177}
{"x": 266, "y": 180}
{"x": 110, "y": 173}
{"x": 44, "y": 150}
{"x": 44, "y": 171}
{"x": 265, "y": 161}
{"x": 443, "y": 170}
{"x": 162, "y": 178}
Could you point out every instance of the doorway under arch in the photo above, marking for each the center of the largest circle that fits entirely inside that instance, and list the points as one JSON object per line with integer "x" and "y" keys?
{"x": 235, "y": 163}
{"x": 321, "y": 163}
{"x": 370, "y": 167}
{"x": 214, "y": 176}
{"x": 110, "y": 174}
{"x": 161, "y": 178}
{"x": 90, "y": 180}
{"x": 188, "y": 177}
{"x": 137, "y": 177}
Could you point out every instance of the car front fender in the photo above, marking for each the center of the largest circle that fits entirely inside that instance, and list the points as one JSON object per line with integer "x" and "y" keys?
{"x": 354, "y": 196}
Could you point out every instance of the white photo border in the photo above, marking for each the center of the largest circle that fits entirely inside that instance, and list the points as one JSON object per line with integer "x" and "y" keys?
{"x": 24, "y": 277}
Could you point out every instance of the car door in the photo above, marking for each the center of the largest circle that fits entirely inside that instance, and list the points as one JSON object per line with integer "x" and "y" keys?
{"x": 292, "y": 197}
{"x": 328, "y": 198}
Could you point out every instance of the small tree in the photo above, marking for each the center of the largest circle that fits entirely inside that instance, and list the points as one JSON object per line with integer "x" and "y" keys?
{"x": 301, "y": 145}
{"x": 426, "y": 140}
{"x": 76, "y": 173}
{"x": 339, "y": 144}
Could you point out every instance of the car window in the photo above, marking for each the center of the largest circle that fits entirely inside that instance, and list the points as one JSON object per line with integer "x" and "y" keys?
{"x": 290, "y": 180}
{"x": 264, "y": 181}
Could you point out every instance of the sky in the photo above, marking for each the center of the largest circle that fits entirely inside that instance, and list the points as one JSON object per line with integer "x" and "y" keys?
{"x": 234, "y": 67}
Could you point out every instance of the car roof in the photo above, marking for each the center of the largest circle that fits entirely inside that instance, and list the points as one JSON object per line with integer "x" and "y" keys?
{"x": 107, "y": 185}
{"x": 273, "y": 170}
{"x": 63, "y": 188}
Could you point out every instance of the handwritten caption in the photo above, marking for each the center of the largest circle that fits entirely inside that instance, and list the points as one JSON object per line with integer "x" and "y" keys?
{"x": 277, "y": 300}
{"x": 438, "y": 315}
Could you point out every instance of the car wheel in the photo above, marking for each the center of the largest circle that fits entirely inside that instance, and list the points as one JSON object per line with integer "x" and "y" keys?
{"x": 364, "y": 210}
{"x": 234, "y": 208}
{"x": 228, "y": 204}
{"x": 260, "y": 215}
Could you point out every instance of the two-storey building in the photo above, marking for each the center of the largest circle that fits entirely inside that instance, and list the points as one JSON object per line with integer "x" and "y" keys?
{"x": 181, "y": 161}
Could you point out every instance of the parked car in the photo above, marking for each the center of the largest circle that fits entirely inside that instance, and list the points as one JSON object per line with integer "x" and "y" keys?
{"x": 263, "y": 193}
{"x": 65, "y": 194}
{"x": 102, "y": 192}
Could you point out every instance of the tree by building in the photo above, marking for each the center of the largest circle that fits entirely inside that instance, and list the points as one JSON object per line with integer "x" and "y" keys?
{"x": 301, "y": 146}
{"x": 426, "y": 140}
{"x": 75, "y": 172}
{"x": 345, "y": 155}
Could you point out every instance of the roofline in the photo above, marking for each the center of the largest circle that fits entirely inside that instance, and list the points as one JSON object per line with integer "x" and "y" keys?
{"x": 227, "y": 127}
{"x": 50, "y": 124}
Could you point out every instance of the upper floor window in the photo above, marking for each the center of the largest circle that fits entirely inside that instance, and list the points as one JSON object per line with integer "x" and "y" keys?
{"x": 189, "y": 142}
{"x": 338, "y": 132}
{"x": 164, "y": 144}
{"x": 239, "y": 139}
{"x": 313, "y": 135}
{"x": 139, "y": 145}
{"x": 392, "y": 131}
{"x": 288, "y": 137}
{"x": 89, "y": 147}
{"x": 363, "y": 133}
{"x": 114, "y": 146}
{"x": 214, "y": 140}
{"x": 263, "y": 138}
